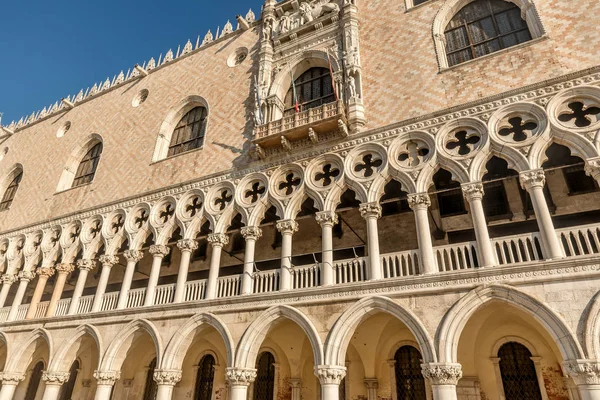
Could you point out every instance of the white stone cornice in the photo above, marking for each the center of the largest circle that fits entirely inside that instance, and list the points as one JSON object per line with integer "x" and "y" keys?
{"x": 442, "y": 373}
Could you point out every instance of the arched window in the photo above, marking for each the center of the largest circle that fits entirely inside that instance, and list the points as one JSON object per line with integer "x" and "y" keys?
{"x": 87, "y": 166}
{"x": 34, "y": 382}
{"x": 311, "y": 89}
{"x": 450, "y": 197}
{"x": 410, "y": 383}
{"x": 483, "y": 27}
{"x": 10, "y": 192}
{"x": 264, "y": 384}
{"x": 518, "y": 373}
{"x": 495, "y": 200}
{"x": 573, "y": 168}
{"x": 204, "y": 378}
{"x": 189, "y": 132}
{"x": 66, "y": 391}
{"x": 151, "y": 387}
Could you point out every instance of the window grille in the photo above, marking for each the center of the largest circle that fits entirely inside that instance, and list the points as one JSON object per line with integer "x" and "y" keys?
{"x": 205, "y": 378}
{"x": 66, "y": 391}
{"x": 151, "y": 388}
{"x": 34, "y": 382}
{"x": 265, "y": 379}
{"x": 10, "y": 192}
{"x": 483, "y": 27}
{"x": 518, "y": 373}
{"x": 410, "y": 384}
{"x": 313, "y": 89}
{"x": 189, "y": 132}
{"x": 88, "y": 165}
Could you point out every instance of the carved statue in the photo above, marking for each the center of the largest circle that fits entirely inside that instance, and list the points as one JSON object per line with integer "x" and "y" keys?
{"x": 351, "y": 87}
{"x": 285, "y": 24}
{"x": 316, "y": 9}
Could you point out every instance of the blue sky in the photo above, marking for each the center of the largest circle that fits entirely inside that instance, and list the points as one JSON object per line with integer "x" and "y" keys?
{"x": 51, "y": 49}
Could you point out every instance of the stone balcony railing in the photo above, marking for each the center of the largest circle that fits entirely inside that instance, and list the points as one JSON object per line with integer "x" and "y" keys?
{"x": 295, "y": 127}
{"x": 524, "y": 249}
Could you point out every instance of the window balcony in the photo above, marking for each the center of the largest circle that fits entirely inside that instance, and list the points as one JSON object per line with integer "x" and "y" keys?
{"x": 294, "y": 127}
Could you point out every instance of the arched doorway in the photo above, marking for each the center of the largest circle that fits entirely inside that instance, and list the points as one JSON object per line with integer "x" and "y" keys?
{"x": 205, "y": 378}
{"x": 264, "y": 385}
{"x": 410, "y": 384}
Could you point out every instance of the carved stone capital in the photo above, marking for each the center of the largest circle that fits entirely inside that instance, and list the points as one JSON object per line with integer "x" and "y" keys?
{"x": 107, "y": 378}
{"x": 86, "y": 265}
{"x": 583, "y": 372}
{"x": 240, "y": 376}
{"x": 295, "y": 383}
{"x": 108, "y": 261}
{"x": 592, "y": 168}
{"x": 287, "y": 226}
{"x": 371, "y": 383}
{"x": 55, "y": 378}
{"x": 442, "y": 373}
{"x": 26, "y": 275}
{"x": 46, "y": 271}
{"x": 133, "y": 255}
{"x": 418, "y": 201}
{"x": 326, "y": 218}
{"x": 218, "y": 239}
{"x": 8, "y": 279}
{"x": 11, "y": 378}
{"x": 251, "y": 232}
{"x": 370, "y": 210}
{"x": 167, "y": 377}
{"x": 472, "y": 191}
{"x": 158, "y": 250}
{"x": 330, "y": 375}
{"x": 64, "y": 268}
{"x": 533, "y": 178}
{"x": 187, "y": 245}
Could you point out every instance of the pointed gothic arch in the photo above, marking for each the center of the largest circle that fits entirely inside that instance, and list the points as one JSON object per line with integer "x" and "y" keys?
{"x": 69, "y": 172}
{"x": 9, "y": 186}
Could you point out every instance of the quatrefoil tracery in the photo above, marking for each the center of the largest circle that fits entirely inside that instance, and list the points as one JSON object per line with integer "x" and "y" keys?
{"x": 95, "y": 229}
{"x": 327, "y": 175}
{"x": 225, "y": 198}
{"x": 255, "y": 192}
{"x": 289, "y": 184}
{"x": 166, "y": 213}
{"x": 370, "y": 163}
{"x": 117, "y": 223}
{"x": 463, "y": 143}
{"x": 413, "y": 153}
{"x": 193, "y": 206}
{"x": 580, "y": 114}
{"x": 141, "y": 218}
{"x": 518, "y": 129}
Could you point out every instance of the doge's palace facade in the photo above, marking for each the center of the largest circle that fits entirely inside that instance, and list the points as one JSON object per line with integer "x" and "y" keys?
{"x": 334, "y": 199}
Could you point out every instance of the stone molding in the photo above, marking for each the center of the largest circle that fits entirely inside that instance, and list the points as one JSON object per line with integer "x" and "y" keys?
{"x": 133, "y": 255}
{"x": 64, "y": 268}
{"x": 55, "y": 378}
{"x": 108, "y": 261}
{"x": 8, "y": 279}
{"x": 418, "y": 201}
{"x": 442, "y": 373}
{"x": 592, "y": 168}
{"x": 251, "y": 232}
{"x": 370, "y": 210}
{"x": 240, "y": 376}
{"x": 26, "y": 275}
{"x": 327, "y": 218}
{"x": 472, "y": 191}
{"x": 167, "y": 377}
{"x": 187, "y": 245}
{"x": 11, "y": 378}
{"x": 45, "y": 271}
{"x": 86, "y": 265}
{"x": 330, "y": 375}
{"x": 107, "y": 378}
{"x": 218, "y": 239}
{"x": 288, "y": 226}
{"x": 583, "y": 372}
{"x": 158, "y": 250}
{"x": 532, "y": 179}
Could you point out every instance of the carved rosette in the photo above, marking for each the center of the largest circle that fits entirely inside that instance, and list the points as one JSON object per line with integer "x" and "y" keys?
{"x": 532, "y": 179}
{"x": 472, "y": 191}
{"x": 592, "y": 168}
{"x": 8, "y": 279}
{"x": 11, "y": 378}
{"x": 370, "y": 210}
{"x": 327, "y": 218}
{"x": 251, "y": 232}
{"x": 107, "y": 378}
{"x": 65, "y": 268}
{"x": 189, "y": 245}
{"x": 442, "y": 374}
{"x": 86, "y": 265}
{"x": 46, "y": 272}
{"x": 419, "y": 201}
{"x": 288, "y": 226}
{"x": 218, "y": 239}
{"x": 26, "y": 275}
{"x": 55, "y": 378}
{"x": 167, "y": 377}
{"x": 158, "y": 250}
{"x": 330, "y": 375}
{"x": 133, "y": 255}
{"x": 240, "y": 376}
{"x": 583, "y": 372}
{"x": 108, "y": 261}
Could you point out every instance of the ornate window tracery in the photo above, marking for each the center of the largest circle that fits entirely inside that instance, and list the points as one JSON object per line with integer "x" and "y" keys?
{"x": 518, "y": 372}
{"x": 264, "y": 385}
{"x": 205, "y": 378}
{"x": 313, "y": 89}
{"x": 410, "y": 384}
{"x": 88, "y": 165}
{"x": 483, "y": 27}
{"x": 189, "y": 132}
{"x": 10, "y": 192}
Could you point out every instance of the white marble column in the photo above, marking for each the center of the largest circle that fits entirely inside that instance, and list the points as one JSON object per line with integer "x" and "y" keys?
{"x": 443, "y": 378}
{"x": 107, "y": 264}
{"x": 7, "y": 281}
{"x": 158, "y": 253}
{"x": 24, "y": 277}
{"x": 296, "y": 388}
{"x": 371, "y": 212}
{"x": 534, "y": 182}
{"x": 420, "y": 204}
{"x": 166, "y": 381}
{"x": 43, "y": 274}
{"x": 63, "y": 271}
{"x": 287, "y": 228}
{"x": 239, "y": 379}
{"x": 105, "y": 380}
{"x": 327, "y": 219}
{"x": 53, "y": 382}
{"x": 10, "y": 381}
{"x": 586, "y": 375}
{"x": 217, "y": 241}
{"x": 330, "y": 377}
{"x": 84, "y": 266}
{"x": 251, "y": 234}
{"x": 187, "y": 248}
{"x": 473, "y": 194}
{"x": 132, "y": 257}
{"x": 372, "y": 385}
